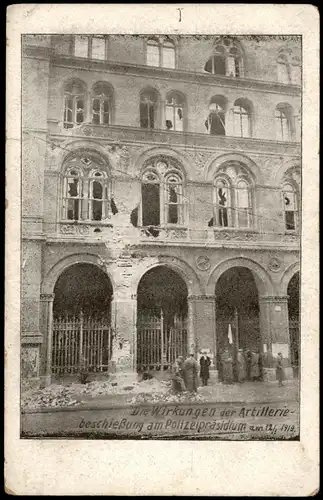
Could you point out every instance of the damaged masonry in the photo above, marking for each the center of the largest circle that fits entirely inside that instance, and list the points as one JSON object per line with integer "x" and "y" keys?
{"x": 160, "y": 218}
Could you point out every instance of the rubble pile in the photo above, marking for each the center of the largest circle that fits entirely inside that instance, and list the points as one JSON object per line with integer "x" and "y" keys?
{"x": 167, "y": 397}
{"x": 60, "y": 395}
{"x": 50, "y": 397}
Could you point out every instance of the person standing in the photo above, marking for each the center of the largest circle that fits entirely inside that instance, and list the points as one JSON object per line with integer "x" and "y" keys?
{"x": 280, "y": 369}
{"x": 241, "y": 366}
{"x": 204, "y": 368}
{"x": 254, "y": 366}
{"x": 227, "y": 366}
{"x": 190, "y": 369}
{"x": 177, "y": 375}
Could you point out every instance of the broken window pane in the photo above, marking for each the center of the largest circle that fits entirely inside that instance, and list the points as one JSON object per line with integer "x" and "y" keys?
{"x": 290, "y": 221}
{"x": 150, "y": 199}
{"x": 282, "y": 125}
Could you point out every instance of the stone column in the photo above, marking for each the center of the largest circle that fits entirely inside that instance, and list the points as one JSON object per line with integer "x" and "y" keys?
{"x": 46, "y": 300}
{"x": 202, "y": 328}
{"x": 275, "y": 333}
{"x": 123, "y": 322}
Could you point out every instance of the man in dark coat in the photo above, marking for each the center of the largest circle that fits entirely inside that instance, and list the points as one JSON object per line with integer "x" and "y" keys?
{"x": 204, "y": 368}
{"x": 190, "y": 370}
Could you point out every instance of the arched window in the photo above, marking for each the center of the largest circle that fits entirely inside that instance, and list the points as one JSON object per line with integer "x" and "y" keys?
{"x": 98, "y": 196}
{"x": 101, "y": 104}
{"x": 162, "y": 194}
{"x": 233, "y": 199}
{"x": 215, "y": 123}
{"x": 227, "y": 59}
{"x": 150, "y": 199}
{"x": 241, "y": 119}
{"x": 73, "y": 189}
{"x": 91, "y": 46}
{"x": 290, "y": 207}
{"x": 153, "y": 57}
{"x": 222, "y": 209}
{"x": 289, "y": 66}
{"x": 284, "y": 122}
{"x": 74, "y": 103}
{"x": 86, "y": 195}
{"x": 148, "y": 109}
{"x": 174, "y": 199}
{"x": 174, "y": 112}
{"x": 161, "y": 52}
{"x": 243, "y": 205}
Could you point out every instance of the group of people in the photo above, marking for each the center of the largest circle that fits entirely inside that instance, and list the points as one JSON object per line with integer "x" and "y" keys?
{"x": 185, "y": 373}
{"x": 245, "y": 365}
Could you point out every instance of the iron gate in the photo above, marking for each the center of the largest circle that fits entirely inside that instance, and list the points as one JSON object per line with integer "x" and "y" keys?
{"x": 160, "y": 341}
{"x": 81, "y": 342}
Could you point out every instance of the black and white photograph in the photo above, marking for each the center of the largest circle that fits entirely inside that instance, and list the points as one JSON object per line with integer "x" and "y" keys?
{"x": 161, "y": 248}
{"x": 161, "y": 224}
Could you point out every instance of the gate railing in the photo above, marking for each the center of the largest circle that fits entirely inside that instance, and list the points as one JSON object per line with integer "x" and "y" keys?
{"x": 160, "y": 342}
{"x": 81, "y": 342}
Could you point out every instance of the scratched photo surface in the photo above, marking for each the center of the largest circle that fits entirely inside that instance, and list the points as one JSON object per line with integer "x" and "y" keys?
{"x": 160, "y": 236}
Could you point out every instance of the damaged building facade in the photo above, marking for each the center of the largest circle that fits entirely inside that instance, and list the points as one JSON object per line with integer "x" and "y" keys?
{"x": 160, "y": 202}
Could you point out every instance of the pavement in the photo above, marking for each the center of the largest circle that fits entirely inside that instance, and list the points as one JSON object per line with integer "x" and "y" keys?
{"x": 216, "y": 393}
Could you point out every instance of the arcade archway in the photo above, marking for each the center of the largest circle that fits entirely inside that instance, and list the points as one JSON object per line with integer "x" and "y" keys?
{"x": 293, "y": 320}
{"x": 81, "y": 337}
{"x": 161, "y": 319}
{"x": 237, "y": 313}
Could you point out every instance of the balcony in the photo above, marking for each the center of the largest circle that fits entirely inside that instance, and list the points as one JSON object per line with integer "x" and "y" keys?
{"x": 114, "y": 237}
{"x": 119, "y": 133}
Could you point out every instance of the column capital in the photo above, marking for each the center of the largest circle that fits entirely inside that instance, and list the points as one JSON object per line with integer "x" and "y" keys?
{"x": 201, "y": 298}
{"x": 47, "y": 297}
{"x": 273, "y": 298}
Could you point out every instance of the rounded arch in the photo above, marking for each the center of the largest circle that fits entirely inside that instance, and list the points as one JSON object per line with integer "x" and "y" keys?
{"x": 59, "y": 267}
{"x": 77, "y": 147}
{"x": 262, "y": 279}
{"x": 74, "y": 81}
{"x": 287, "y": 166}
{"x": 191, "y": 279}
{"x": 215, "y": 162}
{"x": 142, "y": 157}
{"x": 287, "y": 276}
{"x": 151, "y": 91}
{"x": 221, "y": 100}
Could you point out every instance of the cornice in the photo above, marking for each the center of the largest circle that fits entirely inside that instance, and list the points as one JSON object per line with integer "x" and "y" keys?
{"x": 167, "y": 74}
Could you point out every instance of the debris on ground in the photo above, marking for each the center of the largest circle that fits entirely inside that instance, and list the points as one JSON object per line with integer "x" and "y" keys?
{"x": 168, "y": 397}
{"x": 64, "y": 395}
{"x": 50, "y": 397}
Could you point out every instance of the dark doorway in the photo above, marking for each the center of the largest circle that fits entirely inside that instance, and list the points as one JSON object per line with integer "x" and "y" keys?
{"x": 293, "y": 319}
{"x": 237, "y": 312}
{"x": 161, "y": 319}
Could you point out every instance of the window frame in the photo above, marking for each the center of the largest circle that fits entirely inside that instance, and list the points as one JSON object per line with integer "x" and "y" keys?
{"x": 232, "y": 213}
{"x": 85, "y": 195}
{"x": 164, "y": 204}
{"x": 90, "y": 47}
{"x": 178, "y": 102}
{"x": 248, "y": 113}
{"x": 224, "y": 52}
{"x": 294, "y": 193}
{"x": 161, "y": 44}
{"x": 74, "y": 96}
{"x": 102, "y": 98}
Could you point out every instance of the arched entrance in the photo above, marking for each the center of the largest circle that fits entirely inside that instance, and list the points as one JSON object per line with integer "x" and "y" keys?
{"x": 237, "y": 313}
{"x": 81, "y": 321}
{"x": 293, "y": 319}
{"x": 161, "y": 319}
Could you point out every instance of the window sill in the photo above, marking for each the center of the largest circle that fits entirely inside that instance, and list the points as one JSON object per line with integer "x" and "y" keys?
{"x": 232, "y": 228}
{"x": 87, "y": 223}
